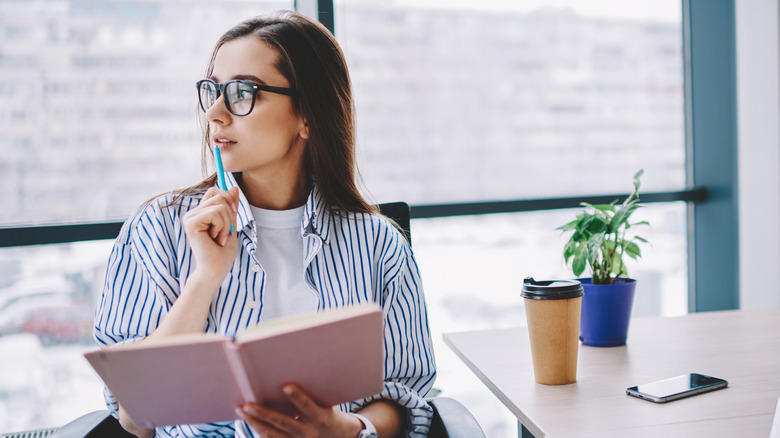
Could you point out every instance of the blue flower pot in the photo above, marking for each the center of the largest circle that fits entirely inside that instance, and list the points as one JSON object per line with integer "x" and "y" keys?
{"x": 606, "y": 312}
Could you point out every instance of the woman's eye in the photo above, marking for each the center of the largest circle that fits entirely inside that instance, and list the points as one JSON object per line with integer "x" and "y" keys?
{"x": 244, "y": 94}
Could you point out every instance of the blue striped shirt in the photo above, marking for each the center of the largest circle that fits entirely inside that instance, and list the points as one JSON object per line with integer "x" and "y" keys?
{"x": 349, "y": 257}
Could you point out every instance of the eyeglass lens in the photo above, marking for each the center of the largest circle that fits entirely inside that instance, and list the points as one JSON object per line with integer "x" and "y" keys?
{"x": 238, "y": 96}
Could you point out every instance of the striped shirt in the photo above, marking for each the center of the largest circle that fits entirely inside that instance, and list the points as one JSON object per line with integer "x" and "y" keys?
{"x": 350, "y": 258}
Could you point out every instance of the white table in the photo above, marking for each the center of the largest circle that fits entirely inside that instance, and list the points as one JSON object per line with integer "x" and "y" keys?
{"x": 742, "y": 347}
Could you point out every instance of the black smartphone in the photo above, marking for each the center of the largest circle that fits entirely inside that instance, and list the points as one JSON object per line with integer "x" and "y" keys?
{"x": 675, "y": 388}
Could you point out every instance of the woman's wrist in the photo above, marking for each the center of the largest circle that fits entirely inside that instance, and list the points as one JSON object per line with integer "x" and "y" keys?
{"x": 190, "y": 310}
{"x": 203, "y": 282}
{"x": 354, "y": 426}
{"x": 367, "y": 429}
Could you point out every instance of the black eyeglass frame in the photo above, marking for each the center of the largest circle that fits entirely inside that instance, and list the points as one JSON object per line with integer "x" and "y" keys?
{"x": 255, "y": 88}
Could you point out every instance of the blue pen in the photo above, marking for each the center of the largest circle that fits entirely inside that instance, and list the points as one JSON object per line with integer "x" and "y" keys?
{"x": 221, "y": 174}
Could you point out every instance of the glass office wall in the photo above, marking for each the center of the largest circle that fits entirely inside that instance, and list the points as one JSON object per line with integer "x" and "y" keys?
{"x": 99, "y": 103}
{"x": 456, "y": 101}
{"x": 47, "y": 296}
{"x": 462, "y": 101}
{"x": 98, "y": 114}
{"x": 483, "y": 104}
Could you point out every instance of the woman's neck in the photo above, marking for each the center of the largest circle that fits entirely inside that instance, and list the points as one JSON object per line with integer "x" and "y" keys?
{"x": 274, "y": 193}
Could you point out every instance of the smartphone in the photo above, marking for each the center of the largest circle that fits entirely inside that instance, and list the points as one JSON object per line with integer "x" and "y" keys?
{"x": 675, "y": 388}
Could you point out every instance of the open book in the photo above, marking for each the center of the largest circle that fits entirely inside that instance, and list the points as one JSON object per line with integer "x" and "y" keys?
{"x": 336, "y": 356}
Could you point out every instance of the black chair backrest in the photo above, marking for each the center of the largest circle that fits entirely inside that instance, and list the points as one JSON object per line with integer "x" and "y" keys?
{"x": 401, "y": 214}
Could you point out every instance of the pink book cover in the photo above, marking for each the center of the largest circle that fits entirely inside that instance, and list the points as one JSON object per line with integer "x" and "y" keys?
{"x": 336, "y": 356}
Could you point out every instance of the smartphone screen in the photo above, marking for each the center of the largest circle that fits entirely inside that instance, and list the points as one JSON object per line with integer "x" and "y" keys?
{"x": 676, "y": 387}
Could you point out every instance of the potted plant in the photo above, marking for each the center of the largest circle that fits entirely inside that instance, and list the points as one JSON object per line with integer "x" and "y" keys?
{"x": 601, "y": 241}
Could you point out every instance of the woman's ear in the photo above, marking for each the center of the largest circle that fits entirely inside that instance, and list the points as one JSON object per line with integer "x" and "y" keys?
{"x": 304, "y": 132}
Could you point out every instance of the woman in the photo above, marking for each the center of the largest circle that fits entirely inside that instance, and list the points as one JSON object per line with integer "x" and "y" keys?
{"x": 278, "y": 105}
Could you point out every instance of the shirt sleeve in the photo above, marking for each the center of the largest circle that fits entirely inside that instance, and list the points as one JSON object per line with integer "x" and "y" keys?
{"x": 141, "y": 284}
{"x": 410, "y": 367}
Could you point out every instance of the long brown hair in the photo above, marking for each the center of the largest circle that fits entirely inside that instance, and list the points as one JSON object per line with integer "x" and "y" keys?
{"x": 311, "y": 60}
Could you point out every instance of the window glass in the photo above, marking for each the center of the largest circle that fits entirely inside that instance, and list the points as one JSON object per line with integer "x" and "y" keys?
{"x": 47, "y": 301}
{"x": 99, "y": 105}
{"x": 508, "y": 100}
{"x": 472, "y": 268}
{"x": 494, "y": 100}
{"x": 98, "y": 114}
{"x": 456, "y": 101}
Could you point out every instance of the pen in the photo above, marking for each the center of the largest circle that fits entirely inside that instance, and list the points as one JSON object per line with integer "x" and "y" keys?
{"x": 220, "y": 174}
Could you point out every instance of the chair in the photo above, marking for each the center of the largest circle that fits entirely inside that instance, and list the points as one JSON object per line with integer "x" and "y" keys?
{"x": 400, "y": 213}
{"x": 450, "y": 418}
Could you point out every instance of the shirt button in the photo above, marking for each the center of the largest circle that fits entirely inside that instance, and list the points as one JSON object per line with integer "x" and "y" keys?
{"x": 255, "y": 268}
{"x": 253, "y": 304}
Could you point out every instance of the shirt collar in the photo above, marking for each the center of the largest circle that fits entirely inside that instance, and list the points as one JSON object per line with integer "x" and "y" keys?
{"x": 316, "y": 215}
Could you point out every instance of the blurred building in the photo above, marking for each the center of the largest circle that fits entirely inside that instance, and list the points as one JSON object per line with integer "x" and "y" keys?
{"x": 99, "y": 110}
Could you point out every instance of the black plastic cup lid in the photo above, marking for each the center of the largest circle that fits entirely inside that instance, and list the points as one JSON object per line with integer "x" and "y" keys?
{"x": 551, "y": 289}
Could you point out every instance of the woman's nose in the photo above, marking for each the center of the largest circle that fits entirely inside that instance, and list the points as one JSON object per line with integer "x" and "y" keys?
{"x": 218, "y": 112}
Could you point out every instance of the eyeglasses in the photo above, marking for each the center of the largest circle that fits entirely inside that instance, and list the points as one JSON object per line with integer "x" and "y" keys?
{"x": 239, "y": 95}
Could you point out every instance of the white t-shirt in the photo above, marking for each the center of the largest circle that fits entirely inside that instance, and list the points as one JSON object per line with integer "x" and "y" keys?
{"x": 280, "y": 253}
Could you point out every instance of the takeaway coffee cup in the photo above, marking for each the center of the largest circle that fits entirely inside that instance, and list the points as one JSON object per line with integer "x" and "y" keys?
{"x": 552, "y": 309}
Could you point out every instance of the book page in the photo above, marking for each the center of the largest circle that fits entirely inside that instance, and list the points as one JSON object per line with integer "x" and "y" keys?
{"x": 335, "y": 361}
{"x": 298, "y": 322}
{"x": 161, "y": 385}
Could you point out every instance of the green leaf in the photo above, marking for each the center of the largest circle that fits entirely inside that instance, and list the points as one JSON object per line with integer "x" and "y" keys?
{"x": 617, "y": 262}
{"x": 583, "y": 226}
{"x": 621, "y": 217}
{"x": 570, "y": 226}
{"x": 599, "y": 238}
{"x": 594, "y": 243}
{"x": 601, "y": 207}
{"x": 597, "y": 226}
{"x": 579, "y": 263}
{"x": 638, "y": 175}
{"x": 608, "y": 245}
{"x": 632, "y": 250}
{"x": 569, "y": 249}
{"x": 578, "y": 266}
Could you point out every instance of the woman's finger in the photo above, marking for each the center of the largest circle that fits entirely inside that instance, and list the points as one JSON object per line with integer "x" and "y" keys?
{"x": 226, "y": 205}
{"x": 230, "y": 200}
{"x": 214, "y": 220}
{"x": 215, "y": 196}
{"x": 210, "y": 193}
{"x": 306, "y": 406}
{"x": 268, "y": 422}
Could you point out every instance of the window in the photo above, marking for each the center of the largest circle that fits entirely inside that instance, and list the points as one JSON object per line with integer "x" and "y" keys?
{"x": 457, "y": 101}
{"x": 99, "y": 98}
{"x": 464, "y": 101}
{"x": 98, "y": 115}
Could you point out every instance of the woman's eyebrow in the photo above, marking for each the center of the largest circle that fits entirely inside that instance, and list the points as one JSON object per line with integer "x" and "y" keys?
{"x": 251, "y": 78}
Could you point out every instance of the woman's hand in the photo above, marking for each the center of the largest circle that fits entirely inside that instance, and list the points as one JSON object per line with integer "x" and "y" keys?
{"x": 208, "y": 229}
{"x": 128, "y": 425}
{"x": 214, "y": 248}
{"x": 314, "y": 421}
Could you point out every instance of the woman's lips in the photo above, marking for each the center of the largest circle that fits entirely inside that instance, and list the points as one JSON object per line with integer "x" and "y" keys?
{"x": 221, "y": 140}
